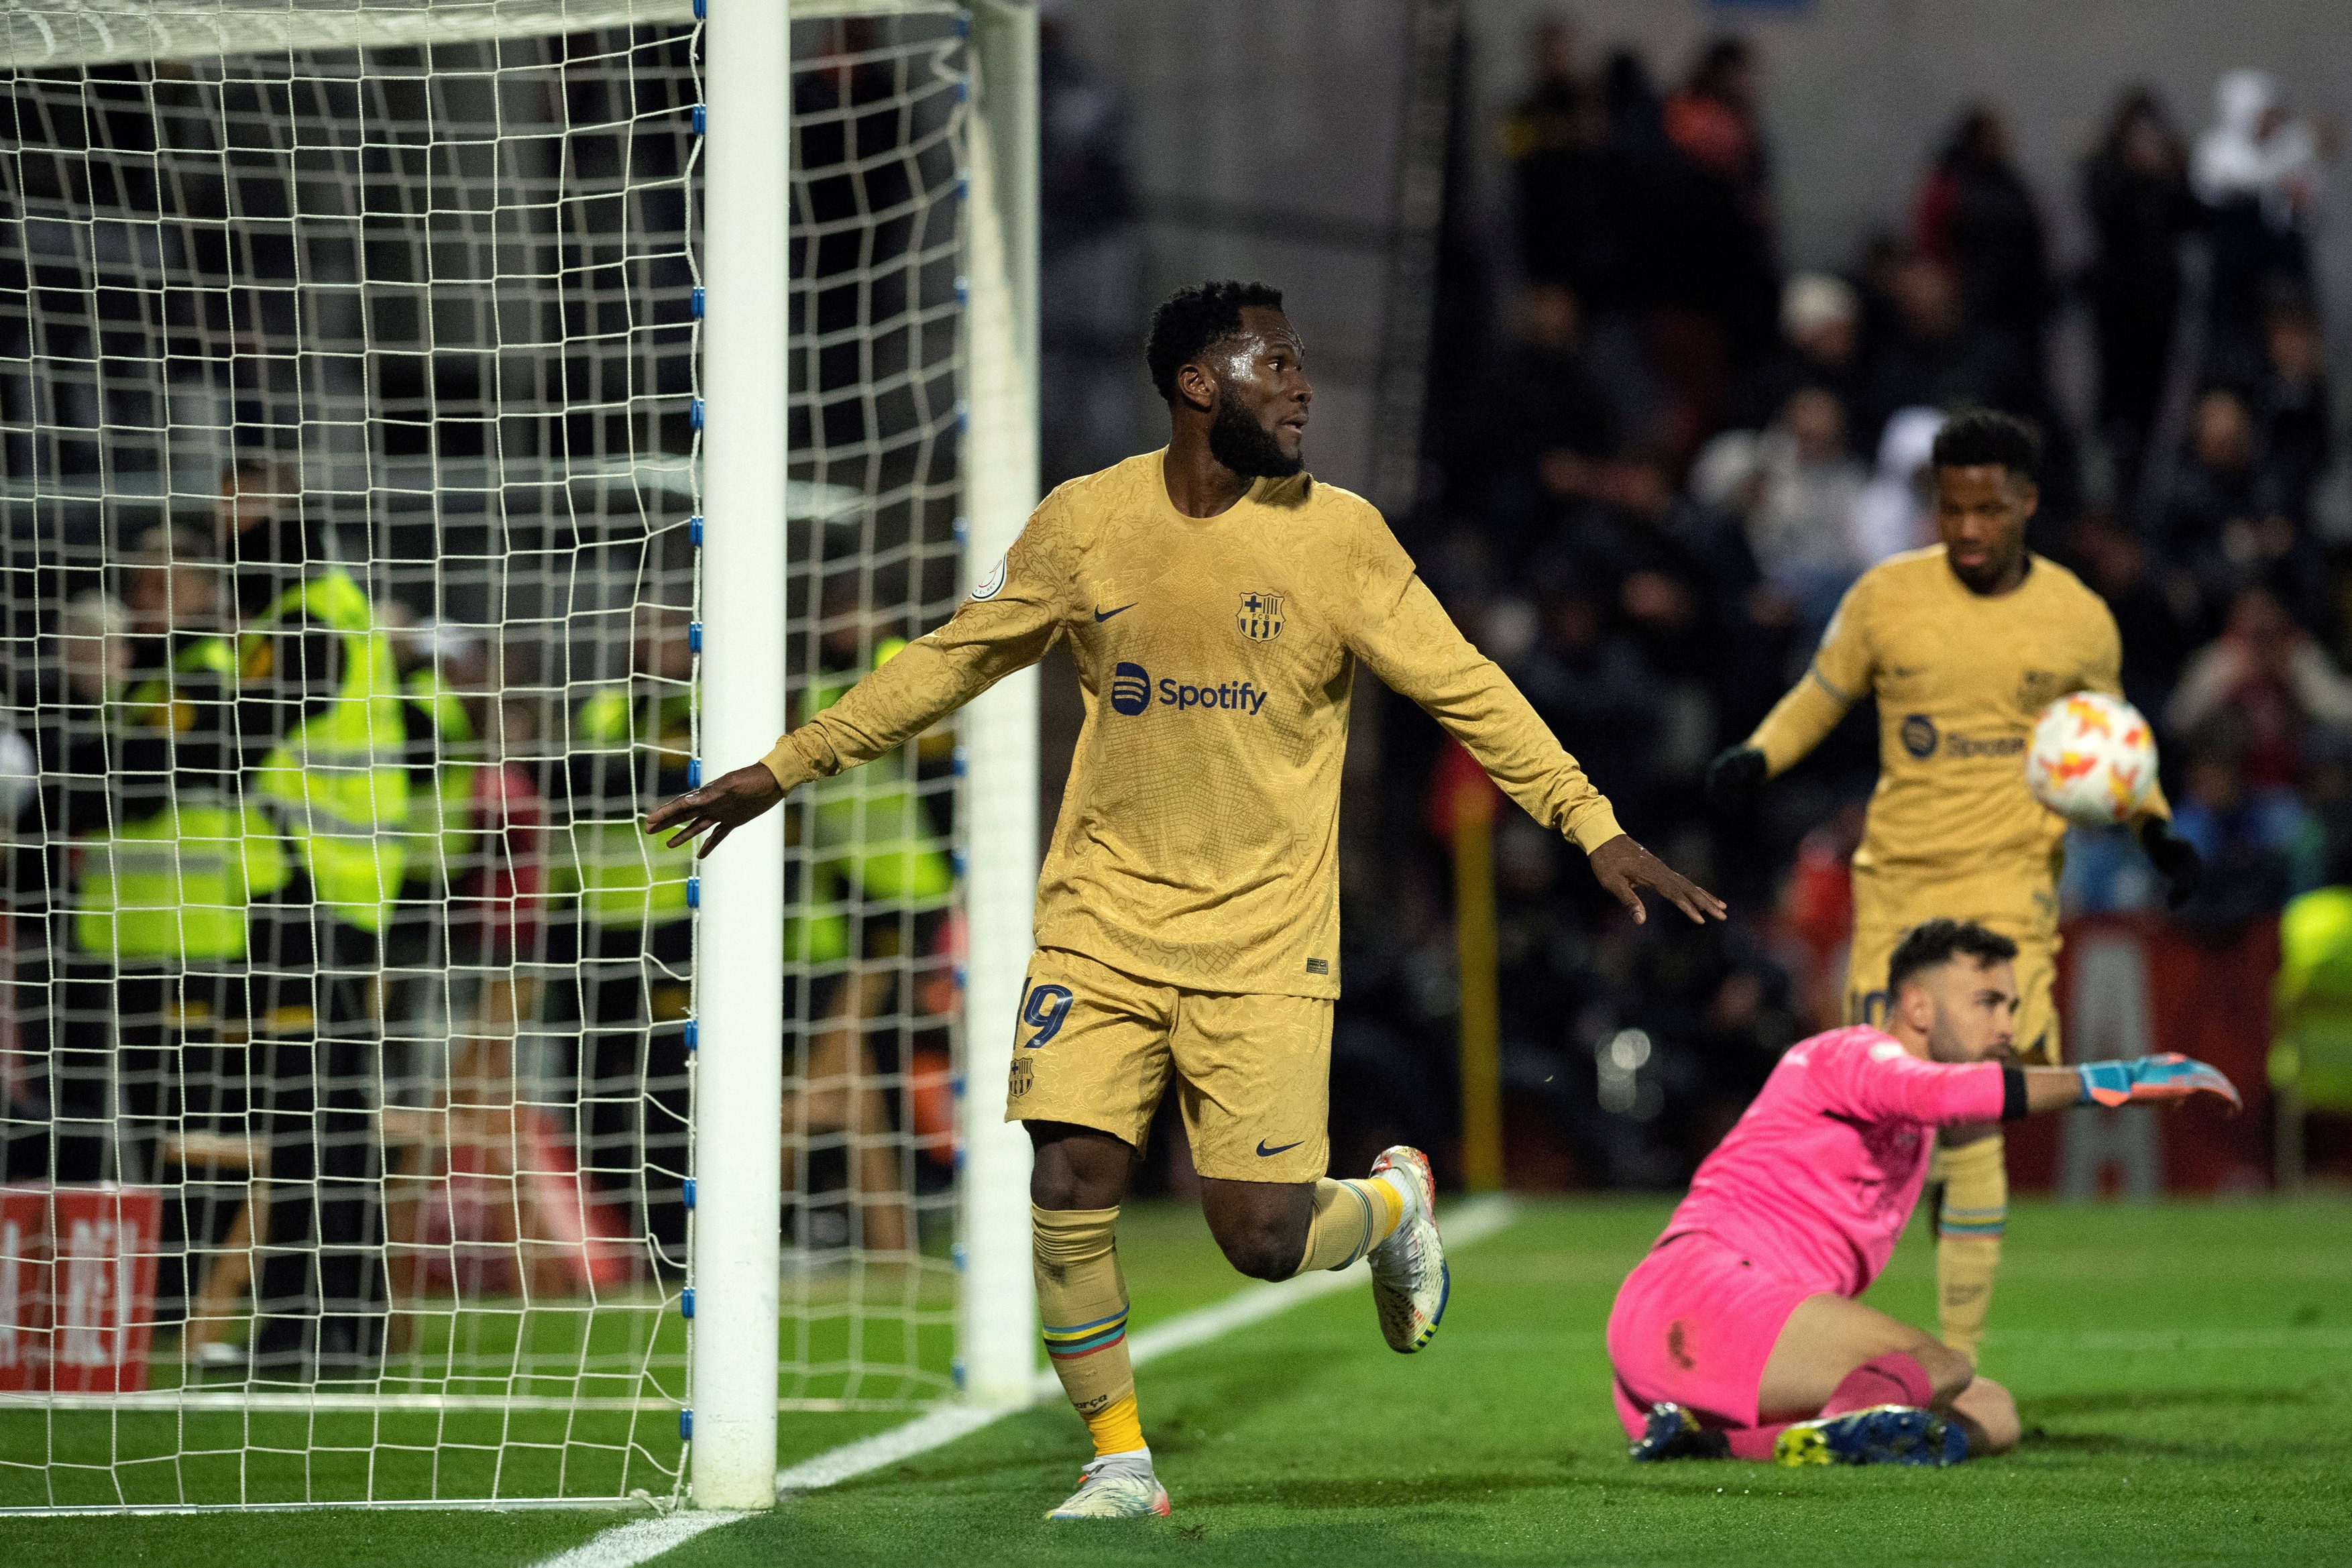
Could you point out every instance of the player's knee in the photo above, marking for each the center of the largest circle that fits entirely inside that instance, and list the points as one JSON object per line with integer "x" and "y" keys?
{"x": 1992, "y": 1410}
{"x": 1263, "y": 1250}
{"x": 1949, "y": 1371}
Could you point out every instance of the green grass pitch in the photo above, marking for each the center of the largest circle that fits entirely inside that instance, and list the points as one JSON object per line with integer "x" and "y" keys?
{"x": 2184, "y": 1371}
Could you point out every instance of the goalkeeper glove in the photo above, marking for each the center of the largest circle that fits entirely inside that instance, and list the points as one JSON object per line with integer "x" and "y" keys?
{"x": 1732, "y": 777}
{"x": 2175, "y": 859}
{"x": 2143, "y": 1079}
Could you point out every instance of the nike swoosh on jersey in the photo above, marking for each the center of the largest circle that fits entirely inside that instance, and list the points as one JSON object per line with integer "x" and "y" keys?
{"x": 1102, "y": 616}
{"x": 1264, "y": 1152}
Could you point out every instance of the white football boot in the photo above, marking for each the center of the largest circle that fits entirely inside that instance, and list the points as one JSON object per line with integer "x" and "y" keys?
{"x": 1410, "y": 1279}
{"x": 1117, "y": 1486}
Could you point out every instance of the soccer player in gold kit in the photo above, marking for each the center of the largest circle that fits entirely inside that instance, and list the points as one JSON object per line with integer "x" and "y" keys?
{"x": 1963, "y": 644}
{"x": 1217, "y": 599}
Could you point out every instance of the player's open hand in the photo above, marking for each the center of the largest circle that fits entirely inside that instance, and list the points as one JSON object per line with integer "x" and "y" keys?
{"x": 2146, "y": 1079}
{"x": 1625, "y": 867}
{"x": 726, "y": 804}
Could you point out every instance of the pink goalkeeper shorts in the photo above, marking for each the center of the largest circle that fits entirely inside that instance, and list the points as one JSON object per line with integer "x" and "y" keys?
{"x": 1695, "y": 1323}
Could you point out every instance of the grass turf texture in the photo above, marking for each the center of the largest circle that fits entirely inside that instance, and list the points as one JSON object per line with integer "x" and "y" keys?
{"x": 2185, "y": 1373}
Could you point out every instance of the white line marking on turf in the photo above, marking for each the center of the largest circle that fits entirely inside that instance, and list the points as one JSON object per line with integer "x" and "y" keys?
{"x": 916, "y": 1437}
{"x": 623, "y": 1546}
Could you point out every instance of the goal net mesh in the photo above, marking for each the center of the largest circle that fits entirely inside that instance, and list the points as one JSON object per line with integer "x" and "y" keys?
{"x": 349, "y": 457}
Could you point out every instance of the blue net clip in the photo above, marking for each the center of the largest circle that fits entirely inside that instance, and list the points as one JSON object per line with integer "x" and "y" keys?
{"x": 694, "y": 772}
{"x": 693, "y": 893}
{"x": 685, "y": 1426}
{"x": 694, "y": 636}
{"x": 686, "y": 1302}
{"x": 701, "y": 119}
{"x": 689, "y": 1199}
{"x": 693, "y": 1040}
{"x": 694, "y": 415}
{"x": 694, "y": 532}
{"x": 696, "y": 299}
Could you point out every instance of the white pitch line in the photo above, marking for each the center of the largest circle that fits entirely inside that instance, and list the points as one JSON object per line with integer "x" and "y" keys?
{"x": 626, "y": 1545}
{"x": 641, "y": 1540}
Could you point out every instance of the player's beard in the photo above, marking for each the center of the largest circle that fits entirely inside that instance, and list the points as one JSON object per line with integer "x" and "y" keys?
{"x": 1238, "y": 441}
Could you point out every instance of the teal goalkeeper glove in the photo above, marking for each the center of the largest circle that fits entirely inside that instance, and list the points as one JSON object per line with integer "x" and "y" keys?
{"x": 2144, "y": 1079}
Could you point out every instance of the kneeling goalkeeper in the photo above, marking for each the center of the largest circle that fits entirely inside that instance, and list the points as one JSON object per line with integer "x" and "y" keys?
{"x": 1739, "y": 1334}
{"x": 1217, "y": 600}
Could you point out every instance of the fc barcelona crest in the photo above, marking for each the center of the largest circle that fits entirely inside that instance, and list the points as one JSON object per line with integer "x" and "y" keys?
{"x": 1260, "y": 616}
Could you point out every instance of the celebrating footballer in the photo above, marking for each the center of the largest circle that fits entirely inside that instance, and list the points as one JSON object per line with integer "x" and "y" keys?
{"x": 1217, "y": 599}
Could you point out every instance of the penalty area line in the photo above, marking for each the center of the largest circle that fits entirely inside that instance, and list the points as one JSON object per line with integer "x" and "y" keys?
{"x": 623, "y": 1546}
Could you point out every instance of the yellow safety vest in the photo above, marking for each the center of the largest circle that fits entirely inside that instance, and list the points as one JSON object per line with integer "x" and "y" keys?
{"x": 623, "y": 876}
{"x": 441, "y": 819}
{"x": 174, "y": 887}
{"x": 336, "y": 779}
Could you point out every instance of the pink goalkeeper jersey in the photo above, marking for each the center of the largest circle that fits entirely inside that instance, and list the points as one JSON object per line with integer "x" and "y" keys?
{"x": 1817, "y": 1178}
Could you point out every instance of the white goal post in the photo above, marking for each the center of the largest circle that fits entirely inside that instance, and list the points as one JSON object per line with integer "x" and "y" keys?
{"x": 673, "y": 359}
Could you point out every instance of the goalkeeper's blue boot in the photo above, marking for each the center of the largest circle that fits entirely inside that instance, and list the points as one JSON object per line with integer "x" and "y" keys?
{"x": 1882, "y": 1435}
{"x": 1672, "y": 1432}
{"x": 1117, "y": 1486}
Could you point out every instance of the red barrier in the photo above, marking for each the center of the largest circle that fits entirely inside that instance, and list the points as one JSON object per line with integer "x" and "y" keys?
{"x": 2210, "y": 1002}
{"x": 77, "y": 1288}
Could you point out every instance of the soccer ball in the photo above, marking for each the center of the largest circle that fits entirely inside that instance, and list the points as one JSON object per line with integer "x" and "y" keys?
{"x": 2092, "y": 759}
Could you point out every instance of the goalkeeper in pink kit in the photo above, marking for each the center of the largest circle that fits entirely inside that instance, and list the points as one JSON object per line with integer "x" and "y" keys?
{"x": 1739, "y": 1334}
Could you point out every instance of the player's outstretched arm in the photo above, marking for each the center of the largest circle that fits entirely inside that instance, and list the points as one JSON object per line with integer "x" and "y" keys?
{"x": 718, "y": 807}
{"x": 1626, "y": 868}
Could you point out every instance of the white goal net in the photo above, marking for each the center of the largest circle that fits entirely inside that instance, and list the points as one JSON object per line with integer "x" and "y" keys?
{"x": 350, "y": 459}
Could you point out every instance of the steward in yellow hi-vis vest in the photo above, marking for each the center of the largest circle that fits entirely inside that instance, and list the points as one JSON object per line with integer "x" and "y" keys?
{"x": 1217, "y": 600}
{"x": 1963, "y": 644}
{"x": 317, "y": 719}
{"x": 620, "y": 902}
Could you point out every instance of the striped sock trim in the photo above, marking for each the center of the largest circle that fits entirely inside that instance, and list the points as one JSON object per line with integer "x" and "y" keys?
{"x": 1085, "y": 1339}
{"x": 1364, "y": 1246}
{"x": 1972, "y": 1222}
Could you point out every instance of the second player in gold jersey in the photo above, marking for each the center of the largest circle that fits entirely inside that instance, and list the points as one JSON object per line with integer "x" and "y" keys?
{"x": 1962, "y": 645}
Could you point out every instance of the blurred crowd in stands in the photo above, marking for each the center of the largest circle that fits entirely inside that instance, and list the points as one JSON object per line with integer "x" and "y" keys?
{"x": 1648, "y": 498}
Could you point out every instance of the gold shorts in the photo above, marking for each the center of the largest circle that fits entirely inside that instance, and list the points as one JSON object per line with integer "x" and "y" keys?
{"x": 1094, "y": 1047}
{"x": 2023, "y": 915}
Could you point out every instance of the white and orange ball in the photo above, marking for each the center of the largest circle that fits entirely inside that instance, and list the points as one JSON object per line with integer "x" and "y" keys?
{"x": 2092, "y": 759}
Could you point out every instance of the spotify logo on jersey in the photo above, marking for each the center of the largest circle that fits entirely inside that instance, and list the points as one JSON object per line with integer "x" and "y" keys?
{"x": 1130, "y": 689}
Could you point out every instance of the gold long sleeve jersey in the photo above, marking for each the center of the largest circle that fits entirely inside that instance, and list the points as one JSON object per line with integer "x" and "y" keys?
{"x": 1959, "y": 679}
{"x": 1199, "y": 837}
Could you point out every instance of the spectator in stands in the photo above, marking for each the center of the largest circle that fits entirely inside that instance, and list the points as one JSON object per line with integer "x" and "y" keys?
{"x": 1554, "y": 424}
{"x": 1090, "y": 257}
{"x": 1918, "y": 356}
{"x": 1552, "y": 138}
{"x": 2156, "y": 608}
{"x": 2260, "y": 846}
{"x": 2272, "y": 680}
{"x": 2228, "y": 523}
{"x": 2136, "y": 192}
{"x": 1895, "y": 511}
{"x": 2293, "y": 416}
{"x": 1801, "y": 526}
{"x": 1714, "y": 267}
{"x": 1821, "y": 326}
{"x": 2258, "y": 170}
{"x": 1977, "y": 219}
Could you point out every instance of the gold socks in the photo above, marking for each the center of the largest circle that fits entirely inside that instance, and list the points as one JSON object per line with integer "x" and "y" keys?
{"x": 1968, "y": 1223}
{"x": 1350, "y": 1219}
{"x": 1082, "y": 1299}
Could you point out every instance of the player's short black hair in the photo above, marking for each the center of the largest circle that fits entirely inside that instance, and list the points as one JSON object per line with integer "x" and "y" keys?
{"x": 1931, "y": 944}
{"x": 1193, "y": 318}
{"x": 1980, "y": 435}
